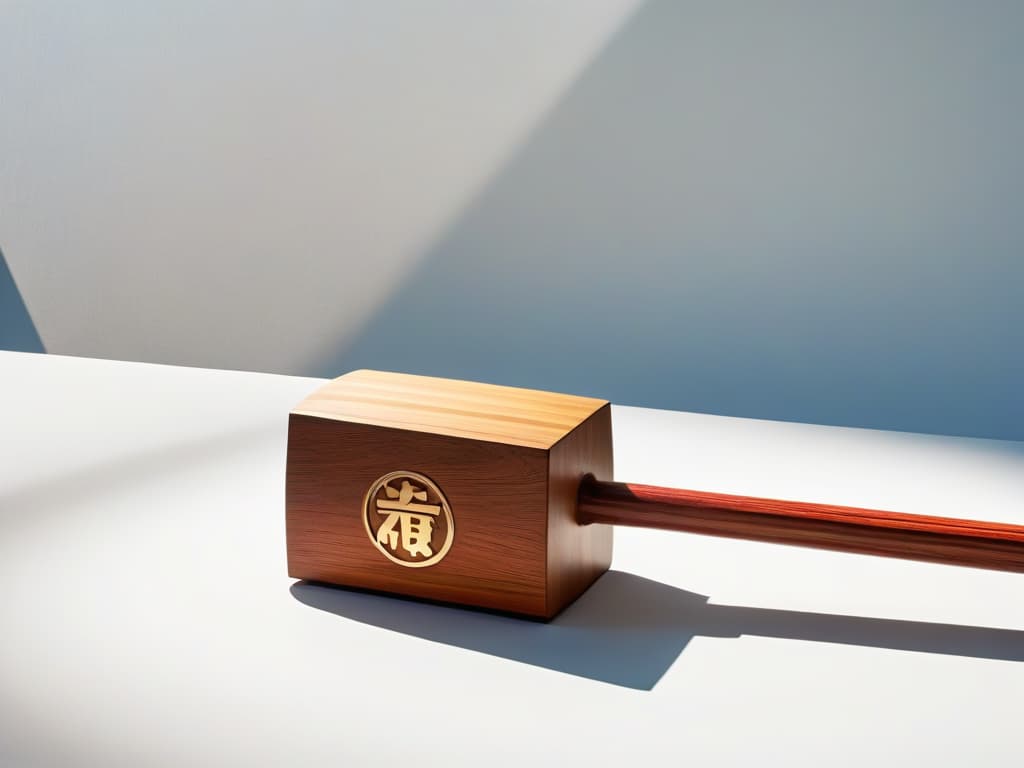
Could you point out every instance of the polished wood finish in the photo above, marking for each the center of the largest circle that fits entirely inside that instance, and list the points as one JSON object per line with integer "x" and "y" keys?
{"x": 524, "y": 417}
{"x": 509, "y": 462}
{"x": 527, "y": 477}
{"x": 848, "y": 529}
{"x": 577, "y": 554}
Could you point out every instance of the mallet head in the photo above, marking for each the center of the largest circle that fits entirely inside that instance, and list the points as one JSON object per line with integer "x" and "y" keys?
{"x": 447, "y": 490}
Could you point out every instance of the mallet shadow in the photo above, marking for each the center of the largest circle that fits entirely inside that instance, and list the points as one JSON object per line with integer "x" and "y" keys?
{"x": 628, "y": 631}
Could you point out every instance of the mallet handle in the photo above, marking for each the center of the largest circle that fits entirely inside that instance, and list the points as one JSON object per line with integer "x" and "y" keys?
{"x": 998, "y": 546}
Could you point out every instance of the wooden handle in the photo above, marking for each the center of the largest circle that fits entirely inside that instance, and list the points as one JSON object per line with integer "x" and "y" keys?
{"x": 997, "y": 546}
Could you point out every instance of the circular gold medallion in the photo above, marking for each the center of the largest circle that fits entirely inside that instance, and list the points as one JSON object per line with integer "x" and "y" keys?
{"x": 408, "y": 519}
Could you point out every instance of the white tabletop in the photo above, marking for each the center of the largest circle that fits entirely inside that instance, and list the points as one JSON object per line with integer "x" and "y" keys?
{"x": 146, "y": 618}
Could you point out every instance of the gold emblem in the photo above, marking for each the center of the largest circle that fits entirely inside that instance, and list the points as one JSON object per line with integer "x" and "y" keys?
{"x": 408, "y": 519}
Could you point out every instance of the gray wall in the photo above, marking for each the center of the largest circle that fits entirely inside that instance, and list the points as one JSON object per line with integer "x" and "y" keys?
{"x": 806, "y": 211}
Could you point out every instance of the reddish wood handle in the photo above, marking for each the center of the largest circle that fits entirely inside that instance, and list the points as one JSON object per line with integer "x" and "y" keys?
{"x": 890, "y": 534}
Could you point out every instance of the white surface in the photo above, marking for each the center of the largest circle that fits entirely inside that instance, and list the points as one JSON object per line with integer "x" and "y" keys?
{"x": 147, "y": 619}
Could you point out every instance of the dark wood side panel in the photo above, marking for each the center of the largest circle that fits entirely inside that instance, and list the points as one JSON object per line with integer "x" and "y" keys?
{"x": 577, "y": 554}
{"x": 497, "y": 492}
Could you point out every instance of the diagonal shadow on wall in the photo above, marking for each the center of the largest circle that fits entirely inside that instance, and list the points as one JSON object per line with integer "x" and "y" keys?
{"x": 800, "y": 212}
{"x": 17, "y": 331}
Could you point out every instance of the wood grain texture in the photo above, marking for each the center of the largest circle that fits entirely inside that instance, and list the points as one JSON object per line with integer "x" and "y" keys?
{"x": 996, "y": 546}
{"x": 577, "y": 554}
{"x": 498, "y": 498}
{"x": 484, "y": 412}
{"x": 508, "y": 461}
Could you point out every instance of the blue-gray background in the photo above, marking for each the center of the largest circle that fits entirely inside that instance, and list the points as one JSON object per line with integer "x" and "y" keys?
{"x": 787, "y": 210}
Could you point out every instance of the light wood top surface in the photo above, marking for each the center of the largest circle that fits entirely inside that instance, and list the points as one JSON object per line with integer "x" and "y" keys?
{"x": 475, "y": 411}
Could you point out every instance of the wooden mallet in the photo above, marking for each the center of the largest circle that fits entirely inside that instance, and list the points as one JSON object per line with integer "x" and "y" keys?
{"x": 502, "y": 498}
